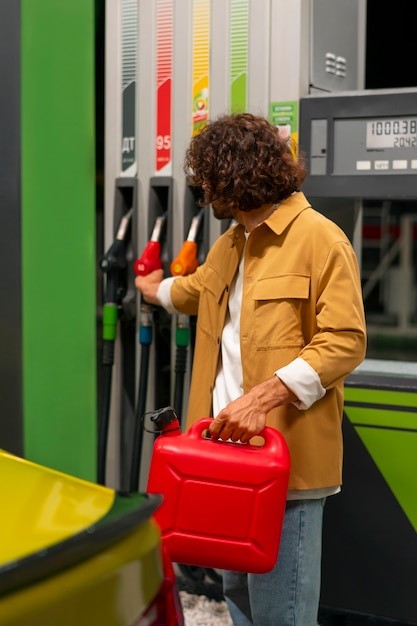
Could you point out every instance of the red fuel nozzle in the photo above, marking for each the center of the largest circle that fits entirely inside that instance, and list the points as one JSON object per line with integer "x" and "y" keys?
{"x": 150, "y": 259}
{"x": 151, "y": 256}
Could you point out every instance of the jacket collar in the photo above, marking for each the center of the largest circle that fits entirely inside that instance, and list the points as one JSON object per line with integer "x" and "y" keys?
{"x": 278, "y": 221}
{"x": 287, "y": 211}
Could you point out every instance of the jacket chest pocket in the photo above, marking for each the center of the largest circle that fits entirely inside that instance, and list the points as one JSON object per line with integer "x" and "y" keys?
{"x": 212, "y": 305}
{"x": 278, "y": 308}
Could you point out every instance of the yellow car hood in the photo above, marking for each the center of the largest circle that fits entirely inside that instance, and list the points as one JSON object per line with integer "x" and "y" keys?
{"x": 42, "y": 507}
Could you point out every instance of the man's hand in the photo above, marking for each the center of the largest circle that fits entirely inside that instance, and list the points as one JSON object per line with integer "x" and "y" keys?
{"x": 245, "y": 417}
{"x": 148, "y": 285}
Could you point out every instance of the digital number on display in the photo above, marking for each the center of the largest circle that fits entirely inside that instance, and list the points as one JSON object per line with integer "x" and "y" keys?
{"x": 391, "y": 133}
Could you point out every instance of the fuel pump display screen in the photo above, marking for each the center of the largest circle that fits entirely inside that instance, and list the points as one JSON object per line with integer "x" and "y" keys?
{"x": 386, "y": 145}
{"x": 391, "y": 133}
{"x": 361, "y": 142}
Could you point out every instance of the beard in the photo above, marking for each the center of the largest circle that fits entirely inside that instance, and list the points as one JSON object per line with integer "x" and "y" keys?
{"x": 221, "y": 211}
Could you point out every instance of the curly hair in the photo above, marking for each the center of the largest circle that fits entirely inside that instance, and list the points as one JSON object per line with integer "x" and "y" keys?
{"x": 242, "y": 160}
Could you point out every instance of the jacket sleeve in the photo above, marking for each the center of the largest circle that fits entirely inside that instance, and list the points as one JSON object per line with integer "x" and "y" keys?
{"x": 338, "y": 344}
{"x": 185, "y": 291}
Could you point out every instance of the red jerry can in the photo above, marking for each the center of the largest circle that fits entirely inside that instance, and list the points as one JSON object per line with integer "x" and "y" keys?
{"x": 224, "y": 502}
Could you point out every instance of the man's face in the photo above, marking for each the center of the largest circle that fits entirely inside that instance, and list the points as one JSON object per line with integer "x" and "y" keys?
{"x": 220, "y": 209}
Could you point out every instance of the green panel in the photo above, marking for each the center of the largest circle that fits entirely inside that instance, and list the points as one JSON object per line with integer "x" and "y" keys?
{"x": 58, "y": 234}
{"x": 238, "y": 94}
{"x": 382, "y": 417}
{"x": 381, "y": 396}
{"x": 395, "y": 454}
{"x": 239, "y": 45}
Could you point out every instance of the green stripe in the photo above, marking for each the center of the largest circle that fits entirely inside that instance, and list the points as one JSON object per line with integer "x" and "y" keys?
{"x": 58, "y": 234}
{"x": 395, "y": 454}
{"x": 383, "y": 418}
{"x": 390, "y": 437}
{"x": 379, "y": 396}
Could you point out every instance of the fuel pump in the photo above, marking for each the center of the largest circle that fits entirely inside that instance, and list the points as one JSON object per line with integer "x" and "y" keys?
{"x": 186, "y": 262}
{"x": 113, "y": 264}
{"x": 361, "y": 150}
{"x": 149, "y": 261}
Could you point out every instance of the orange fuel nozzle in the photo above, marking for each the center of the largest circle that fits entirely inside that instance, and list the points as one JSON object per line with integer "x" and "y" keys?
{"x": 186, "y": 261}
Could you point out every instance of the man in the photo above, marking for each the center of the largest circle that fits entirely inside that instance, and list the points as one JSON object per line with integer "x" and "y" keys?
{"x": 280, "y": 325}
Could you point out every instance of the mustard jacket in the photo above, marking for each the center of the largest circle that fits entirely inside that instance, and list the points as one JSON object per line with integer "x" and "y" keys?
{"x": 301, "y": 298}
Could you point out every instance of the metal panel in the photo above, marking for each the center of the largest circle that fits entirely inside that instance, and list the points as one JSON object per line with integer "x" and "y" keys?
{"x": 259, "y": 56}
{"x": 182, "y": 110}
{"x": 129, "y": 71}
{"x": 290, "y": 42}
{"x": 113, "y": 112}
{"x": 11, "y": 415}
{"x": 356, "y": 182}
{"x": 335, "y": 44}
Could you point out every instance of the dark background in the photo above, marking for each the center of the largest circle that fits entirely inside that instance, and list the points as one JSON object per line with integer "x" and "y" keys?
{"x": 390, "y": 44}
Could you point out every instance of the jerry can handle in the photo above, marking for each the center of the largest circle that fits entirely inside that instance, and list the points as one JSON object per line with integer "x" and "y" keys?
{"x": 197, "y": 429}
{"x": 274, "y": 440}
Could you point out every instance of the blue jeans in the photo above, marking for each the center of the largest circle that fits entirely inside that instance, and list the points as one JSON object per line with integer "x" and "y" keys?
{"x": 289, "y": 594}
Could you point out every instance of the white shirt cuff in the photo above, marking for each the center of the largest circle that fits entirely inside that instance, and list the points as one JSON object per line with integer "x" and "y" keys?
{"x": 164, "y": 294}
{"x": 304, "y": 381}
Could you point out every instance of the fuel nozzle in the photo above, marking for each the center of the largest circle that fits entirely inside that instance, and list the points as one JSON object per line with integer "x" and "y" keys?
{"x": 115, "y": 257}
{"x": 186, "y": 262}
{"x": 150, "y": 259}
{"x": 113, "y": 263}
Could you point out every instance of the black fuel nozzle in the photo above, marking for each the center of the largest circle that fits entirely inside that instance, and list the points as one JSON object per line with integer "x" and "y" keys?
{"x": 115, "y": 257}
{"x": 114, "y": 262}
